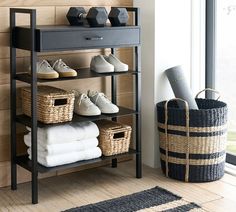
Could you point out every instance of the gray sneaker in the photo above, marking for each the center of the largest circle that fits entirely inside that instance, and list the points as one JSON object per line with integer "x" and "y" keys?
{"x": 84, "y": 106}
{"x": 103, "y": 103}
{"x": 63, "y": 69}
{"x": 100, "y": 65}
{"x": 45, "y": 70}
{"x": 118, "y": 65}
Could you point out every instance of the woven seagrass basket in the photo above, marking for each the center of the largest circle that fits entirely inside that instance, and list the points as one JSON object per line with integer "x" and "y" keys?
{"x": 114, "y": 137}
{"x": 193, "y": 142}
{"x": 54, "y": 105}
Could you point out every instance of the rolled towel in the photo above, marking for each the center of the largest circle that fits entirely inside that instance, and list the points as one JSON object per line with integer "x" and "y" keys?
{"x": 67, "y": 132}
{"x": 180, "y": 86}
{"x": 54, "y": 149}
{"x": 72, "y": 157}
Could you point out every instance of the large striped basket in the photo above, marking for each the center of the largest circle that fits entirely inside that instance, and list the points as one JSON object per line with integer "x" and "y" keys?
{"x": 193, "y": 142}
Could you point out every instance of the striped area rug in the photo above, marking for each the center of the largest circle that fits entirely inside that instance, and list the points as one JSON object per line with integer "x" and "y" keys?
{"x": 155, "y": 199}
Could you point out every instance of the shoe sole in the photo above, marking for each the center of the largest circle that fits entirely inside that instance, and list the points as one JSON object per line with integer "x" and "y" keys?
{"x": 47, "y": 76}
{"x": 121, "y": 70}
{"x": 68, "y": 74}
{"x": 88, "y": 114}
{"x": 126, "y": 68}
{"x": 102, "y": 70}
{"x": 110, "y": 113}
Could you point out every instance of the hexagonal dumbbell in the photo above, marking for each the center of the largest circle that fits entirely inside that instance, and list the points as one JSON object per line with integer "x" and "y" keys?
{"x": 96, "y": 16}
{"x": 118, "y": 16}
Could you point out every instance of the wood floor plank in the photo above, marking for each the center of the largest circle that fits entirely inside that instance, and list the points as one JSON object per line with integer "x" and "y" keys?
{"x": 221, "y": 205}
{"x": 220, "y": 188}
{"x": 94, "y": 185}
{"x": 187, "y": 190}
{"x": 19, "y": 200}
{"x": 230, "y": 179}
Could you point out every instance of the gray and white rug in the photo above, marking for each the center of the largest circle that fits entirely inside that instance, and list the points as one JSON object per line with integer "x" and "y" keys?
{"x": 155, "y": 199}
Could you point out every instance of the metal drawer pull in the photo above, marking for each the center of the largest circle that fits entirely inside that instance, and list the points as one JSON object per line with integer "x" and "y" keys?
{"x": 94, "y": 38}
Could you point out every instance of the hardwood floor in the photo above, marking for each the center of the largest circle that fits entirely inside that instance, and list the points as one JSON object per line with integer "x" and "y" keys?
{"x": 94, "y": 185}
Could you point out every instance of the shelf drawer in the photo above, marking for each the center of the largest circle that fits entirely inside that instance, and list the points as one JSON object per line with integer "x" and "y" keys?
{"x": 69, "y": 38}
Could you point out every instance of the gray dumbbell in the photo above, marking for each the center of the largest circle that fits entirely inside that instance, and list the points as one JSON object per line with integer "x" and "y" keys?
{"x": 96, "y": 16}
{"x": 118, "y": 16}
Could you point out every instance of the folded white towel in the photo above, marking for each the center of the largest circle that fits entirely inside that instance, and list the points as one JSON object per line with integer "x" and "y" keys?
{"x": 61, "y": 159}
{"x": 54, "y": 149}
{"x": 68, "y": 132}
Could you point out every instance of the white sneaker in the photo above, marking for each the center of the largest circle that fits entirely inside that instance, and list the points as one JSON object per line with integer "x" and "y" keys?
{"x": 118, "y": 65}
{"x": 63, "y": 69}
{"x": 45, "y": 70}
{"x": 83, "y": 105}
{"x": 100, "y": 65}
{"x": 104, "y": 104}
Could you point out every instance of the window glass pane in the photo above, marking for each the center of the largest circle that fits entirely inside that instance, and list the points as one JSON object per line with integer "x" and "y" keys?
{"x": 226, "y": 63}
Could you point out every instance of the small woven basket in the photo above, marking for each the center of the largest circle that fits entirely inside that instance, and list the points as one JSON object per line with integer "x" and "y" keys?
{"x": 193, "y": 142}
{"x": 114, "y": 137}
{"x": 54, "y": 105}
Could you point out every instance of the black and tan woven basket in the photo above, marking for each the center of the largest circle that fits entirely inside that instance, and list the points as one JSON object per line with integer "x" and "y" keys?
{"x": 193, "y": 142}
{"x": 114, "y": 137}
{"x": 54, "y": 105}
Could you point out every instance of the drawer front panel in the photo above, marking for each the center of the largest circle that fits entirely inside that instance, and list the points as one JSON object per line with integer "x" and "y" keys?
{"x": 65, "y": 40}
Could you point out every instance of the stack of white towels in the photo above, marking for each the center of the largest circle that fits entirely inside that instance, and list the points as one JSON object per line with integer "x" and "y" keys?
{"x": 63, "y": 144}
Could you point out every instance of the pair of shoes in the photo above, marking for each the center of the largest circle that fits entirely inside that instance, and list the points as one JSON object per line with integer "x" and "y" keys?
{"x": 106, "y": 64}
{"x": 56, "y": 69}
{"x": 93, "y": 104}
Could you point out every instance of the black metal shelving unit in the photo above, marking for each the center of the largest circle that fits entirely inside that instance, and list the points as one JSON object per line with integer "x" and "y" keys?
{"x": 65, "y": 38}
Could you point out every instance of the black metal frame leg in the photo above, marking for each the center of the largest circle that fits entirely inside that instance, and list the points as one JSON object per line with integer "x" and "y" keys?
{"x": 138, "y": 115}
{"x": 33, "y": 56}
{"x": 34, "y": 171}
{"x": 114, "y": 163}
{"x": 138, "y": 101}
{"x": 114, "y": 100}
{"x": 13, "y": 105}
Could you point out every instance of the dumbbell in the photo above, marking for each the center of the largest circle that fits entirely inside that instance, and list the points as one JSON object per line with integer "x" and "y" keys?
{"x": 96, "y": 16}
{"x": 118, "y": 16}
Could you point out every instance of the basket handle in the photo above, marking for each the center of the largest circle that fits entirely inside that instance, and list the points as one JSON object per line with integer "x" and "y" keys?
{"x": 119, "y": 135}
{"x": 209, "y": 89}
{"x": 115, "y": 128}
{"x": 57, "y": 102}
{"x": 187, "y": 134}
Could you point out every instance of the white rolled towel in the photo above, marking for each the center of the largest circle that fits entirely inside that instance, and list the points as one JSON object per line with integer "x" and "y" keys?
{"x": 72, "y": 157}
{"x": 54, "y": 149}
{"x": 68, "y": 132}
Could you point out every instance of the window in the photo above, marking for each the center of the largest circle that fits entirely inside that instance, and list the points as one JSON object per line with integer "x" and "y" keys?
{"x": 225, "y": 75}
{"x": 223, "y": 78}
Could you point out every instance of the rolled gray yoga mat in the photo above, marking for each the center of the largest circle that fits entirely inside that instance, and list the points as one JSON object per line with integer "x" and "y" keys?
{"x": 180, "y": 86}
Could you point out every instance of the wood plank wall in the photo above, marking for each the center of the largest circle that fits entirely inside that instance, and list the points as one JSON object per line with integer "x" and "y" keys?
{"x": 50, "y": 12}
